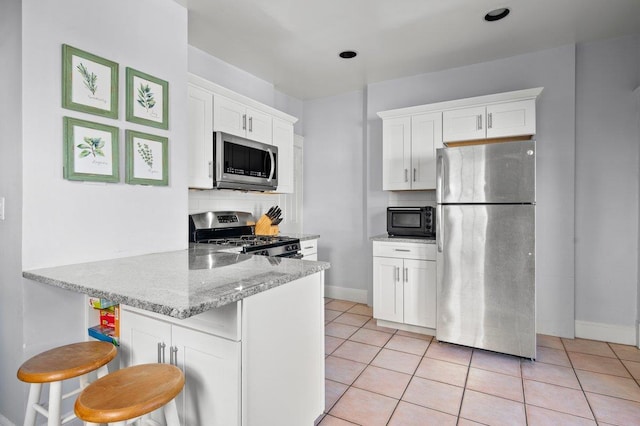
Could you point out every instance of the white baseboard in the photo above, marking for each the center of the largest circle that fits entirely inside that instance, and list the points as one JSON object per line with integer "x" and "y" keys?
{"x": 407, "y": 327}
{"x": 5, "y": 421}
{"x": 345, "y": 293}
{"x": 624, "y": 335}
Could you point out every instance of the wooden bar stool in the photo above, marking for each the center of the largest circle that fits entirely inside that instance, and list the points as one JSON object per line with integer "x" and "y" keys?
{"x": 56, "y": 365}
{"x": 131, "y": 393}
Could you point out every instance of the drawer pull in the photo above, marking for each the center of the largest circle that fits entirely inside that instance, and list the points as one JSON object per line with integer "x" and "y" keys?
{"x": 308, "y": 248}
{"x": 405, "y": 250}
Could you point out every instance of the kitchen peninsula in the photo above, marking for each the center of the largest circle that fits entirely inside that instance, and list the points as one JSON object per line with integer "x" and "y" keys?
{"x": 246, "y": 330}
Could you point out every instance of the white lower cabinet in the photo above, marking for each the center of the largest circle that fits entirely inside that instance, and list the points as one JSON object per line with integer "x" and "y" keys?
{"x": 309, "y": 249}
{"x": 257, "y": 362}
{"x": 211, "y": 365}
{"x": 404, "y": 283}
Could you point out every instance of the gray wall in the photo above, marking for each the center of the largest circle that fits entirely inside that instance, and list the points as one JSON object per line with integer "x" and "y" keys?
{"x": 607, "y": 153}
{"x": 11, "y": 314}
{"x": 333, "y": 187}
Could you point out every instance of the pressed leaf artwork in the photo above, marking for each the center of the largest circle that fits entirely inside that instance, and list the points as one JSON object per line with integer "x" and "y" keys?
{"x": 146, "y": 97}
{"x": 92, "y": 146}
{"x": 146, "y": 154}
{"x": 90, "y": 79}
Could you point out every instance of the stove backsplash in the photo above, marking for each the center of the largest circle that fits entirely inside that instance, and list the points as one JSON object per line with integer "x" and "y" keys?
{"x": 254, "y": 203}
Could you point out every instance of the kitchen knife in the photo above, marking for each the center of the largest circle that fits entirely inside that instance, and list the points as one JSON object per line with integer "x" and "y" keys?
{"x": 276, "y": 222}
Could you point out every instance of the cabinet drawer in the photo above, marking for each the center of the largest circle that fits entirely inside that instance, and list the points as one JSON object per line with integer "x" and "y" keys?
{"x": 309, "y": 247}
{"x": 405, "y": 250}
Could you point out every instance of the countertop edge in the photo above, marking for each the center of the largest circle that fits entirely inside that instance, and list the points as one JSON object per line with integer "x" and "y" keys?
{"x": 311, "y": 268}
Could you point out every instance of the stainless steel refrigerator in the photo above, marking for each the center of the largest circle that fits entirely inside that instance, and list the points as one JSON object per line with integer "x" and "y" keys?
{"x": 485, "y": 236}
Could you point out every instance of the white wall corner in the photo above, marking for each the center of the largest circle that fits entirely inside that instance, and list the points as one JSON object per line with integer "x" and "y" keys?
{"x": 638, "y": 334}
{"x": 345, "y": 293}
{"x": 625, "y": 335}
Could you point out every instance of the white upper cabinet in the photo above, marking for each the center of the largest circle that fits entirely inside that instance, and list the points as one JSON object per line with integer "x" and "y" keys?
{"x": 396, "y": 153}
{"x": 511, "y": 119}
{"x": 464, "y": 124}
{"x": 283, "y": 139}
{"x": 501, "y": 120}
{"x": 410, "y": 136}
{"x": 237, "y": 119}
{"x": 426, "y": 137}
{"x": 409, "y": 151}
{"x": 213, "y": 108}
{"x": 200, "y": 138}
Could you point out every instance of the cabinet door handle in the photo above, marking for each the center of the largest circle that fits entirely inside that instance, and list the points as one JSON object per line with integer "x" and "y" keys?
{"x": 490, "y": 120}
{"x": 480, "y": 122}
{"x": 251, "y": 124}
{"x": 161, "y": 346}
{"x": 244, "y": 121}
{"x": 211, "y": 169}
{"x": 397, "y": 273}
{"x": 406, "y": 175}
{"x": 173, "y": 355}
{"x": 406, "y": 275}
{"x": 414, "y": 174}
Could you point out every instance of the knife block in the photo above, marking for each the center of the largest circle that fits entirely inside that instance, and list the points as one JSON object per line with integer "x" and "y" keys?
{"x": 264, "y": 227}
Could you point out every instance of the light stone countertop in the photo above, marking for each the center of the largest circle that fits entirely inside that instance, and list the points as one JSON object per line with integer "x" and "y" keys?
{"x": 387, "y": 238}
{"x": 181, "y": 283}
{"x": 301, "y": 237}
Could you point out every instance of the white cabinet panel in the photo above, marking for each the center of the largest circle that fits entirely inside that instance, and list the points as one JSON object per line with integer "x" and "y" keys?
{"x": 463, "y": 124}
{"x": 511, "y": 119}
{"x": 426, "y": 137}
{"x": 200, "y": 138}
{"x": 237, "y": 119}
{"x": 387, "y": 289}
{"x": 396, "y": 153}
{"x": 259, "y": 126}
{"x": 211, "y": 366}
{"x": 283, "y": 139}
{"x": 229, "y": 116}
{"x": 420, "y": 293}
{"x": 309, "y": 249}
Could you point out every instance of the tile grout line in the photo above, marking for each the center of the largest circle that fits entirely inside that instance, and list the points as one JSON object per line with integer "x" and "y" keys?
{"x": 593, "y": 413}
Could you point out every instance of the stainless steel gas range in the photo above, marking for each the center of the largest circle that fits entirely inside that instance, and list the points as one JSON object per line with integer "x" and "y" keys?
{"x": 235, "y": 232}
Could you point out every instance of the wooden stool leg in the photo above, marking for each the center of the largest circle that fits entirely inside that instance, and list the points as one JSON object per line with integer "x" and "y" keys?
{"x": 55, "y": 397}
{"x": 34, "y": 398}
{"x": 171, "y": 413}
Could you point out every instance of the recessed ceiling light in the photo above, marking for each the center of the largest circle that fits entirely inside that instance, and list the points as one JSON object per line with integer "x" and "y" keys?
{"x": 496, "y": 14}
{"x": 347, "y": 54}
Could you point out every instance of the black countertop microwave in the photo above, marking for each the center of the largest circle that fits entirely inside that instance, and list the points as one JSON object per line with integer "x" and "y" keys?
{"x": 411, "y": 222}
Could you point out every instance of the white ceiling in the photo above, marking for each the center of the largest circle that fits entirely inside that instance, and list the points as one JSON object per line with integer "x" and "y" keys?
{"x": 294, "y": 44}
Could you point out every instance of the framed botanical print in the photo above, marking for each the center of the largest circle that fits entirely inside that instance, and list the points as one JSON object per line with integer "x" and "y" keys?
{"x": 147, "y": 159}
{"x": 89, "y": 83}
{"x": 90, "y": 151}
{"x": 147, "y": 99}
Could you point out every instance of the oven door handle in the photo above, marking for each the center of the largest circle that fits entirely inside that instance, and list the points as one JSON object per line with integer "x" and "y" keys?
{"x": 273, "y": 164}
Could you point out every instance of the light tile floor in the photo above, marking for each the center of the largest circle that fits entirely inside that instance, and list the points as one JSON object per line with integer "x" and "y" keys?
{"x": 382, "y": 376}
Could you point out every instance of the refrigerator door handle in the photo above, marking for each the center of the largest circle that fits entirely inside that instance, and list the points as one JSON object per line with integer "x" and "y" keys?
{"x": 439, "y": 226}
{"x": 439, "y": 176}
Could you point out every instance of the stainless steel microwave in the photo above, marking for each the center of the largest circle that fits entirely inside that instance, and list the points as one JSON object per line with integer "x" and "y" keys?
{"x": 411, "y": 222}
{"x": 244, "y": 164}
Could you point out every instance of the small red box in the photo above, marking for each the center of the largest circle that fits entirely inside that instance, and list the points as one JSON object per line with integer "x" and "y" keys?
{"x": 108, "y": 318}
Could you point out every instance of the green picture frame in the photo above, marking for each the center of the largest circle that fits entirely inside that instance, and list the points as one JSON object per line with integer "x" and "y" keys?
{"x": 146, "y": 158}
{"x": 89, "y": 83}
{"x": 90, "y": 151}
{"x": 147, "y": 99}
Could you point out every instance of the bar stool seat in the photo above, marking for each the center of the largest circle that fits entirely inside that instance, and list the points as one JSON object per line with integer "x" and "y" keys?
{"x": 56, "y": 365}
{"x": 130, "y": 393}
